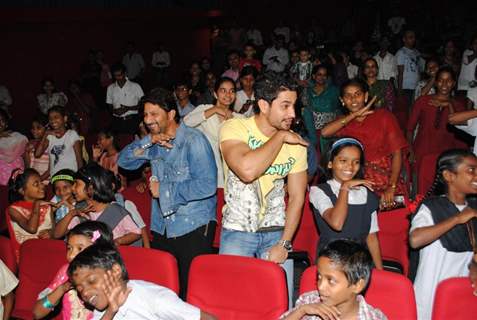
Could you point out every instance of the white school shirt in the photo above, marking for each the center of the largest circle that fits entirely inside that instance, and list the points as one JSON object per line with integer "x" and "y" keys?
{"x": 150, "y": 301}
{"x": 129, "y": 95}
{"x": 240, "y": 99}
{"x": 387, "y": 67}
{"x": 282, "y": 57}
{"x": 467, "y": 71}
{"x": 322, "y": 202}
{"x": 163, "y": 57}
{"x": 435, "y": 264}
{"x": 352, "y": 71}
{"x": 134, "y": 63}
{"x": 61, "y": 152}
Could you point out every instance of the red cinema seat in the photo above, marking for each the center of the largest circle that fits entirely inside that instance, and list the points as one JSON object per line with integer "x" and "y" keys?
{"x": 39, "y": 262}
{"x": 233, "y": 287}
{"x": 393, "y": 236}
{"x": 142, "y": 200}
{"x": 390, "y": 292}
{"x": 6, "y": 254}
{"x": 454, "y": 300}
{"x": 151, "y": 265}
{"x": 306, "y": 237}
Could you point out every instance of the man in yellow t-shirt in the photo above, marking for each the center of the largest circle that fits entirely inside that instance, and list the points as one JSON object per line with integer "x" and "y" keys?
{"x": 259, "y": 152}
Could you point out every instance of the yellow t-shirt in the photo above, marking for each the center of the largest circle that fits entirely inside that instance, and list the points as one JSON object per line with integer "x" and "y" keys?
{"x": 258, "y": 205}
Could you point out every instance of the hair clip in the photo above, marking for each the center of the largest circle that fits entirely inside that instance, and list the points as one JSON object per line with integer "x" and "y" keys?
{"x": 96, "y": 236}
{"x": 16, "y": 173}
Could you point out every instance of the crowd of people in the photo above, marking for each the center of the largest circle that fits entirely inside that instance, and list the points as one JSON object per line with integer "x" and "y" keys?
{"x": 262, "y": 127}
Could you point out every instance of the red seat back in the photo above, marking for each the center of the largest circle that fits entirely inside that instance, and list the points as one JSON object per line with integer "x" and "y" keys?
{"x": 454, "y": 300}
{"x": 390, "y": 292}
{"x": 233, "y": 287}
{"x": 39, "y": 262}
{"x": 220, "y": 205}
{"x": 393, "y": 236}
{"x": 306, "y": 237}
{"x": 142, "y": 202}
{"x": 426, "y": 172}
{"x": 151, "y": 265}
{"x": 6, "y": 254}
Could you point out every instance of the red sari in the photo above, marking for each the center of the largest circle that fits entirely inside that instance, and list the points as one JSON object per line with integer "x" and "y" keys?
{"x": 432, "y": 137}
{"x": 381, "y": 136}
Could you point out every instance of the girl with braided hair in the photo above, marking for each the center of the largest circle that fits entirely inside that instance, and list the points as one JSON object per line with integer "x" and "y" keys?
{"x": 443, "y": 228}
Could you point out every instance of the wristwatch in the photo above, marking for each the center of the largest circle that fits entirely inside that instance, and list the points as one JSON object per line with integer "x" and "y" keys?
{"x": 286, "y": 244}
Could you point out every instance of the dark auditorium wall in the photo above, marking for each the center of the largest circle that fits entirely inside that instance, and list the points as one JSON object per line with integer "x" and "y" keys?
{"x": 54, "y": 42}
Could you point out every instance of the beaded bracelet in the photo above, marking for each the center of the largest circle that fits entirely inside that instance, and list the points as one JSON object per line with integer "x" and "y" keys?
{"x": 47, "y": 304}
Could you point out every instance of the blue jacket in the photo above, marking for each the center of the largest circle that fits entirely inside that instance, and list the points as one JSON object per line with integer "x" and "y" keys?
{"x": 187, "y": 180}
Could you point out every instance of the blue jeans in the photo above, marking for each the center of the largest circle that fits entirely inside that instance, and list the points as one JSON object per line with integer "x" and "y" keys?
{"x": 255, "y": 244}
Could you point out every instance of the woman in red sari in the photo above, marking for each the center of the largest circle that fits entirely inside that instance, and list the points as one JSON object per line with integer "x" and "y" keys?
{"x": 431, "y": 113}
{"x": 379, "y": 132}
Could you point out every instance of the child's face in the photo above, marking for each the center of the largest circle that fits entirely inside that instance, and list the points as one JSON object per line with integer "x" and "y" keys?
{"x": 79, "y": 190}
{"x": 33, "y": 189}
{"x": 226, "y": 93}
{"x": 346, "y": 163}
{"x": 464, "y": 180}
{"x": 249, "y": 52}
{"x": 37, "y": 130}
{"x": 332, "y": 284}
{"x": 295, "y": 57}
{"x": 431, "y": 68}
{"x": 234, "y": 61}
{"x": 247, "y": 82}
{"x": 56, "y": 120}
{"x": 104, "y": 142}
{"x": 304, "y": 56}
{"x": 89, "y": 284}
{"x": 76, "y": 244}
{"x": 63, "y": 189}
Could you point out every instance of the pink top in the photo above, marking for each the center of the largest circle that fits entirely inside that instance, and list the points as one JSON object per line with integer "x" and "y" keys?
{"x": 124, "y": 227}
{"x": 73, "y": 308}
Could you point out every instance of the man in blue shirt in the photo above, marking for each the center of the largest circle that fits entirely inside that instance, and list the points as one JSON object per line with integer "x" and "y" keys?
{"x": 182, "y": 162}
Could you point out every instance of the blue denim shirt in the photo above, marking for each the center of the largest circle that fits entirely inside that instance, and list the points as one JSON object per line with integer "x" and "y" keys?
{"x": 187, "y": 180}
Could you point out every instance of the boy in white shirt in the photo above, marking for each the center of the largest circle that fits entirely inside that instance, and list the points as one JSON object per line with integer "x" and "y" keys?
{"x": 99, "y": 275}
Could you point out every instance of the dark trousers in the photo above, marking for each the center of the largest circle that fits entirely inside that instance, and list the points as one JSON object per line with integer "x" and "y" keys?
{"x": 126, "y": 125}
{"x": 185, "y": 248}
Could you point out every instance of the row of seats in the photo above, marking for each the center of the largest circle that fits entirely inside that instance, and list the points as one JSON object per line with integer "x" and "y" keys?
{"x": 233, "y": 287}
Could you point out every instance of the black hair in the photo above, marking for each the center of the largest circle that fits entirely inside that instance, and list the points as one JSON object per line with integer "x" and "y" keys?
{"x": 424, "y": 75}
{"x": 356, "y": 82}
{"x": 231, "y": 52}
{"x": 353, "y": 258}
{"x": 5, "y": 116}
{"x": 96, "y": 176}
{"x": 161, "y": 98}
{"x": 306, "y": 49}
{"x": 40, "y": 118}
{"x": 182, "y": 82}
{"x": 333, "y": 152}
{"x": 448, "y": 160}
{"x": 364, "y": 65}
{"x": 269, "y": 87}
{"x": 58, "y": 109}
{"x": 63, "y": 172}
{"x": 222, "y": 80}
{"x": 110, "y": 134}
{"x": 249, "y": 70}
{"x": 48, "y": 79}
{"x": 318, "y": 67}
{"x": 447, "y": 69}
{"x": 118, "y": 67}
{"x": 17, "y": 181}
{"x": 98, "y": 256}
{"x": 87, "y": 229}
